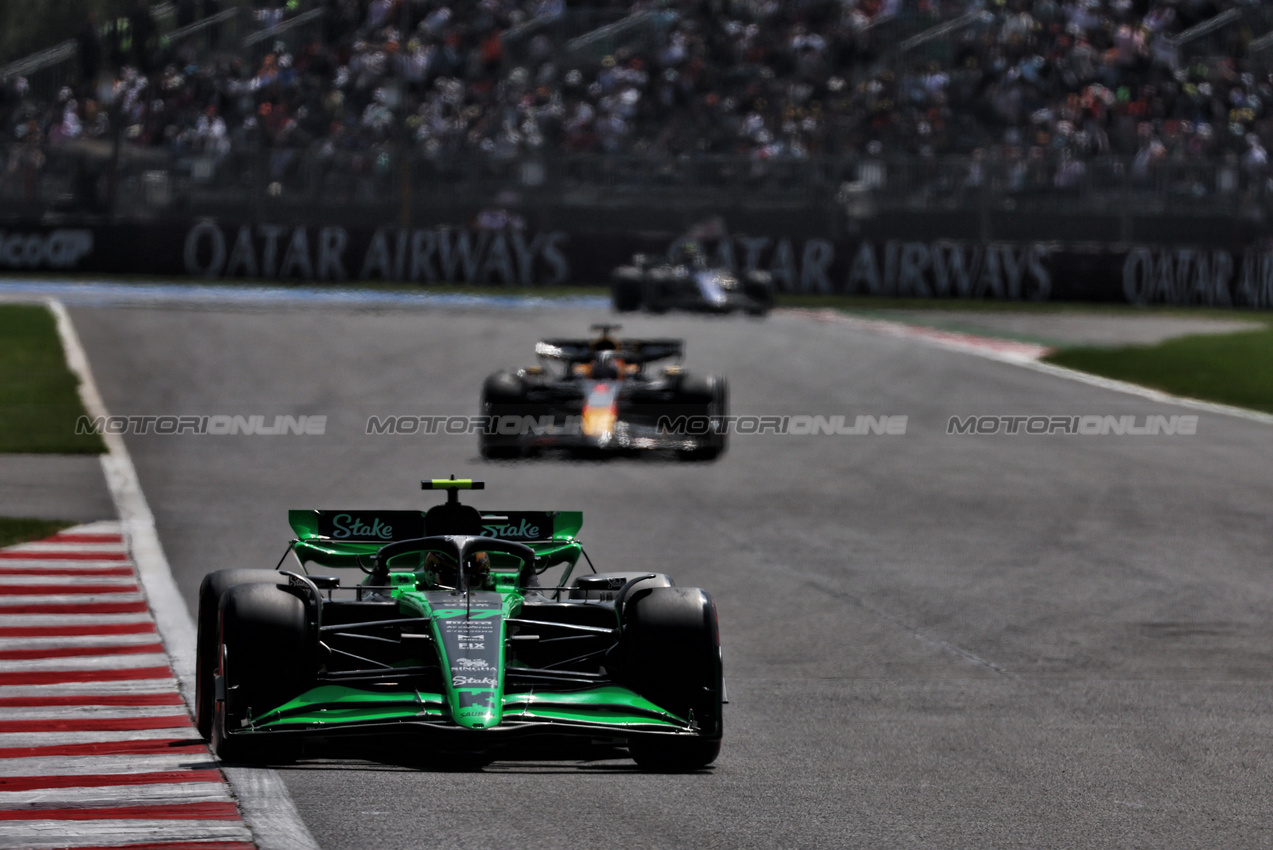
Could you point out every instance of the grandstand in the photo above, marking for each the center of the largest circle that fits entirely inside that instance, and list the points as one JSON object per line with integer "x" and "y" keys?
{"x": 1142, "y": 118}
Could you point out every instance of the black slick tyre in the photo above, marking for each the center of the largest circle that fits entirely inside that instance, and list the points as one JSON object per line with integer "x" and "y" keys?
{"x": 625, "y": 291}
{"x": 503, "y": 394}
{"x": 214, "y": 585}
{"x": 670, "y": 654}
{"x": 707, "y": 396}
{"x": 265, "y": 660}
{"x": 760, "y": 292}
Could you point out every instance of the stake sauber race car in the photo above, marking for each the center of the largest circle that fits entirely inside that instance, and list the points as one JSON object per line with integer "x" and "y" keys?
{"x": 603, "y": 395}
{"x": 454, "y": 646}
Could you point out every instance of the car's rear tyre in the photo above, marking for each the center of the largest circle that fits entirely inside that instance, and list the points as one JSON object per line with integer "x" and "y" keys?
{"x": 625, "y": 290}
{"x": 670, "y": 654}
{"x": 503, "y": 394}
{"x": 660, "y": 290}
{"x": 759, "y": 289}
{"x": 214, "y": 585}
{"x": 265, "y": 658}
{"x": 708, "y": 396}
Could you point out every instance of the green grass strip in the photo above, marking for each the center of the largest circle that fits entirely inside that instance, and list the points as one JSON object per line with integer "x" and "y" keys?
{"x": 1235, "y": 368}
{"x": 1228, "y": 368}
{"x": 39, "y": 401}
{"x": 15, "y": 530}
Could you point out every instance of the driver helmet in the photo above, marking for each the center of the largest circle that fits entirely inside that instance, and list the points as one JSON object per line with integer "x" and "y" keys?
{"x": 691, "y": 254}
{"x": 444, "y": 573}
{"x": 442, "y": 570}
{"x": 479, "y": 569}
{"x": 605, "y": 366}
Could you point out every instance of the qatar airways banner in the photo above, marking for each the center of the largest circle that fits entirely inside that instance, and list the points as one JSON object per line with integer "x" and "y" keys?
{"x": 901, "y": 267}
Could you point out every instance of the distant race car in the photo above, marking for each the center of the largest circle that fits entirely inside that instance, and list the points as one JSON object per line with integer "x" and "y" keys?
{"x": 690, "y": 283}
{"x": 454, "y": 648}
{"x": 602, "y": 395}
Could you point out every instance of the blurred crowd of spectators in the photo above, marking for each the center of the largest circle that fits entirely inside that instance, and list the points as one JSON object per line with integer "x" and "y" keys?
{"x": 1032, "y": 89}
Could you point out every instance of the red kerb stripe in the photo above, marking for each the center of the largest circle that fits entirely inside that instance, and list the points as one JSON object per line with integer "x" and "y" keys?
{"x": 18, "y": 555}
{"x": 72, "y": 537}
{"x": 79, "y": 651}
{"x": 102, "y": 780}
{"x": 65, "y": 589}
{"x": 151, "y": 747}
{"x": 55, "y": 677}
{"x": 175, "y": 811}
{"x": 138, "y": 607}
{"x": 138, "y": 628}
{"x": 95, "y": 572}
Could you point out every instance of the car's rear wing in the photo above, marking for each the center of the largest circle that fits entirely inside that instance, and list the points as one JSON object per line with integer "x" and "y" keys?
{"x": 631, "y": 350}
{"x": 390, "y": 526}
{"x": 338, "y": 538}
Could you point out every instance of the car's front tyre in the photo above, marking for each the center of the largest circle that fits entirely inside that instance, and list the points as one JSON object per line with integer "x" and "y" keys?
{"x": 214, "y": 585}
{"x": 670, "y": 654}
{"x": 264, "y": 661}
{"x": 664, "y": 755}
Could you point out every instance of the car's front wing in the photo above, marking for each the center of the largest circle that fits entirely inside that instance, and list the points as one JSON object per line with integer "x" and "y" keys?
{"x": 331, "y": 711}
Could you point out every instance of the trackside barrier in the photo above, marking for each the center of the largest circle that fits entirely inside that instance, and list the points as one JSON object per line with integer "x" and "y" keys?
{"x": 510, "y": 259}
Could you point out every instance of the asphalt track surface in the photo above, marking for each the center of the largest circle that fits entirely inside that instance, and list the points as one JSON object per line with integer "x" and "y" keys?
{"x": 930, "y": 640}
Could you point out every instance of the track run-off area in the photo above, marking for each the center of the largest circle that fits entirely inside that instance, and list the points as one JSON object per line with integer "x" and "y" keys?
{"x": 931, "y": 639}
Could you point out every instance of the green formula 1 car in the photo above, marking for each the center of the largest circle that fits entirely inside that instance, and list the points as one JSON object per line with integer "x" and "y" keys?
{"x": 455, "y": 646}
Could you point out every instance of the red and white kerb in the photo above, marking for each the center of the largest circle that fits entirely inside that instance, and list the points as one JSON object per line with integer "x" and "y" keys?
{"x": 97, "y": 749}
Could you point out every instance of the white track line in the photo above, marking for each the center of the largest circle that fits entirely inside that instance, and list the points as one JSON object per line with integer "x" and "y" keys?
{"x": 88, "y": 662}
{"x": 53, "y": 739}
{"x": 162, "y": 685}
{"x": 74, "y": 599}
{"x": 54, "y": 546}
{"x": 73, "y": 641}
{"x": 95, "y": 712}
{"x": 1147, "y": 393}
{"x": 263, "y": 798}
{"x": 65, "y": 582}
{"x": 169, "y": 609}
{"x": 1025, "y": 355}
{"x": 1011, "y": 351}
{"x": 33, "y": 620}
